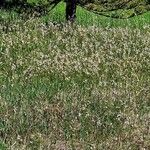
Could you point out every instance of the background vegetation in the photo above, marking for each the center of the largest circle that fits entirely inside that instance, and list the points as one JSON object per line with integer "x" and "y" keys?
{"x": 122, "y": 8}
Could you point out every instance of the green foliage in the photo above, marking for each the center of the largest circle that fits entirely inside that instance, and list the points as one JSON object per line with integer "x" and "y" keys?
{"x": 2, "y": 145}
{"x": 118, "y": 8}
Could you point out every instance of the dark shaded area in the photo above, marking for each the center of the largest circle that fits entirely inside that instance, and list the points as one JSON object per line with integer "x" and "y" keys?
{"x": 13, "y": 3}
{"x": 2, "y": 2}
{"x": 22, "y": 6}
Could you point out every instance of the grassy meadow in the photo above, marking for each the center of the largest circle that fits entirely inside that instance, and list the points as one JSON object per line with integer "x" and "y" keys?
{"x": 74, "y": 87}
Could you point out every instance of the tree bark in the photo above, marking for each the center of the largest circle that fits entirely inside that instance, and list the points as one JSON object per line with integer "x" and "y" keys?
{"x": 71, "y": 10}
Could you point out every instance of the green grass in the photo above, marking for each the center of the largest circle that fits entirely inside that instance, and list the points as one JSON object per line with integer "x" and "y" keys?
{"x": 80, "y": 87}
{"x": 2, "y": 146}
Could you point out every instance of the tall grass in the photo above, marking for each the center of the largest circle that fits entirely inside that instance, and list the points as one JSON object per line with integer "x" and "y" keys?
{"x": 73, "y": 87}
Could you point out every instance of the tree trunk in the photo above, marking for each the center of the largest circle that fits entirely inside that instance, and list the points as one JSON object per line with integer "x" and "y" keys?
{"x": 71, "y": 10}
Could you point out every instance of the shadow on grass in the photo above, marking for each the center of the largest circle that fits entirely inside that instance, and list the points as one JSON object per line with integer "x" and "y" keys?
{"x": 25, "y": 8}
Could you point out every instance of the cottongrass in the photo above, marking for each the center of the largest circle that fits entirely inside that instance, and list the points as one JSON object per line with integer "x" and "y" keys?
{"x": 71, "y": 87}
